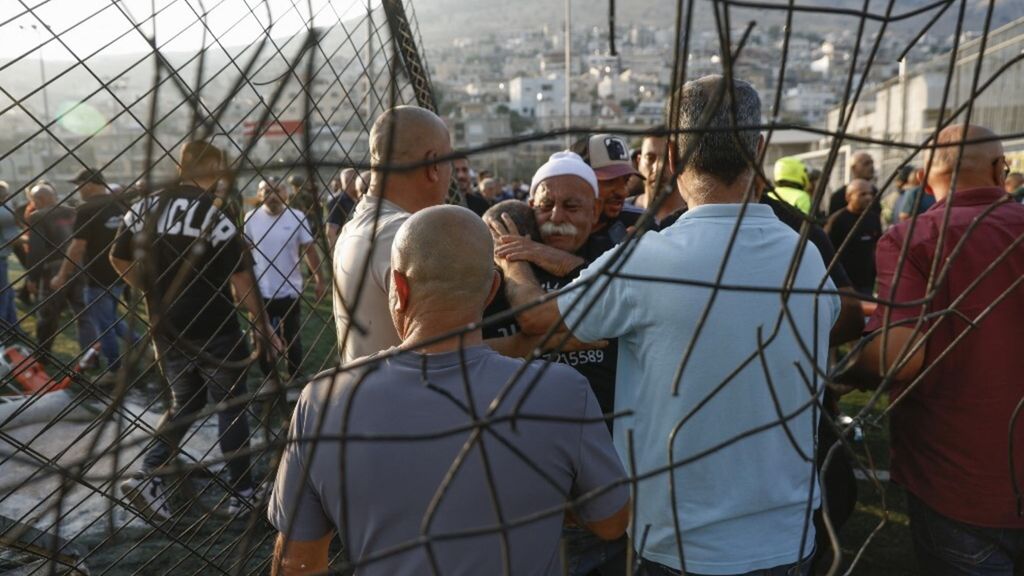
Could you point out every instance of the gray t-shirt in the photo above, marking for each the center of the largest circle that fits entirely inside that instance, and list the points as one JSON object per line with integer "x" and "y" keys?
{"x": 376, "y": 493}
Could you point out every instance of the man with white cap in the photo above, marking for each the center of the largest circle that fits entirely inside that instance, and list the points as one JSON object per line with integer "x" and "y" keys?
{"x": 564, "y": 197}
{"x": 734, "y": 426}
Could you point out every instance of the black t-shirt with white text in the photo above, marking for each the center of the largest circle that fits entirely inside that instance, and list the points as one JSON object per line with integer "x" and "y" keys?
{"x": 97, "y": 221}
{"x": 597, "y": 365}
{"x": 188, "y": 231}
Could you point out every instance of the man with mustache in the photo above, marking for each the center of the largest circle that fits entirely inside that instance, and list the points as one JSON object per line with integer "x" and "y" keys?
{"x": 564, "y": 198}
{"x": 711, "y": 426}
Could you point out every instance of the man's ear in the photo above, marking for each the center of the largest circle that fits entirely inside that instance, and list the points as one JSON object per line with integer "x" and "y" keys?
{"x": 495, "y": 286}
{"x": 432, "y": 167}
{"x": 760, "y": 146}
{"x": 401, "y": 283}
{"x": 998, "y": 174}
{"x": 673, "y": 158}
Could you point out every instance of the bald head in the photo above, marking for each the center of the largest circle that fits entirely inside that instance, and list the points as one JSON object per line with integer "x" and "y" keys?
{"x": 859, "y": 194}
{"x": 444, "y": 257}
{"x": 981, "y": 163}
{"x": 410, "y": 135}
{"x": 862, "y": 166}
{"x": 411, "y": 131}
{"x": 43, "y": 195}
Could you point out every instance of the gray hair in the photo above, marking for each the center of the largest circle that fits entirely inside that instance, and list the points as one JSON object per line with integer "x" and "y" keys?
{"x": 719, "y": 153}
{"x": 520, "y": 212}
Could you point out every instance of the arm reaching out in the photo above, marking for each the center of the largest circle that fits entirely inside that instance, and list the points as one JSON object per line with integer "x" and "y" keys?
{"x": 902, "y": 354}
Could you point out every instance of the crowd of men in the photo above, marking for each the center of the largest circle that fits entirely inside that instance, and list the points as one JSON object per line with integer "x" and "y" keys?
{"x": 628, "y": 360}
{"x": 713, "y": 396}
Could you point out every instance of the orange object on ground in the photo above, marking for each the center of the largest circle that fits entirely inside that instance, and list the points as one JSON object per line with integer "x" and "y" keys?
{"x": 28, "y": 372}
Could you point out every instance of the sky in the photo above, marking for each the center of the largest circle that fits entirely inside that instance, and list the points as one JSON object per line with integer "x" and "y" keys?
{"x": 89, "y": 25}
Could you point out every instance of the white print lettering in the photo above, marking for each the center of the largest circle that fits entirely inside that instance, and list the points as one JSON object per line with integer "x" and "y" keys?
{"x": 578, "y": 357}
{"x": 180, "y": 218}
{"x": 574, "y": 358}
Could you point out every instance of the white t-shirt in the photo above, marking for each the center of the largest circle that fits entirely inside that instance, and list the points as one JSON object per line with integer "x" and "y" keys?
{"x": 277, "y": 243}
{"x": 364, "y": 234}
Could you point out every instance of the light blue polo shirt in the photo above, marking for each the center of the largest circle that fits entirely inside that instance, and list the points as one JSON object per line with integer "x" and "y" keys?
{"x": 744, "y": 490}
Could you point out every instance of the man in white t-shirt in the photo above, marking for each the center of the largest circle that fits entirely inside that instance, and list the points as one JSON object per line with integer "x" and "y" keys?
{"x": 404, "y": 135}
{"x": 280, "y": 236}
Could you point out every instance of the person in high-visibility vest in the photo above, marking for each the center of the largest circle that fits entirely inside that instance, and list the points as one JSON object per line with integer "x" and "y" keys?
{"x": 791, "y": 183}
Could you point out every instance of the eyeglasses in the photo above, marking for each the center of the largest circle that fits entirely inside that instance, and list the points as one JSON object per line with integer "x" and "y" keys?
{"x": 1006, "y": 165}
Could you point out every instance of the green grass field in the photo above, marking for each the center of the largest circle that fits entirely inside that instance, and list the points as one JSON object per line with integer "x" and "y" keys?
{"x": 888, "y": 554}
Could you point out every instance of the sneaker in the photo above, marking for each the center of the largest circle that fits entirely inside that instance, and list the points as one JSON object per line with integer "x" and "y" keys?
{"x": 148, "y": 496}
{"x": 244, "y": 502}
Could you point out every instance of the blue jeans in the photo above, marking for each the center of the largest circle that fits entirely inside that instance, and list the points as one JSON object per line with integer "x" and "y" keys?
{"x": 8, "y": 315}
{"x": 803, "y": 568}
{"x": 102, "y": 304}
{"x": 946, "y": 547}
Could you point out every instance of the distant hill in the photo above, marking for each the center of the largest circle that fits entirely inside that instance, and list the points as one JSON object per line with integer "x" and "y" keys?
{"x": 442, "y": 20}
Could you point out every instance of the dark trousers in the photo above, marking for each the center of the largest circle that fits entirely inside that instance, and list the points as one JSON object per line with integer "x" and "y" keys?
{"x": 284, "y": 315}
{"x": 196, "y": 380}
{"x": 947, "y": 547}
{"x": 838, "y": 482}
{"x": 53, "y": 303}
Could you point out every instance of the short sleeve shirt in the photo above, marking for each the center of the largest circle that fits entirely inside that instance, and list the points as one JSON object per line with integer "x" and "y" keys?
{"x": 277, "y": 246}
{"x": 950, "y": 436}
{"x": 858, "y": 255}
{"x": 596, "y": 364}
{"x": 376, "y": 494}
{"x": 744, "y": 502}
{"x": 96, "y": 222}
{"x": 179, "y": 229}
{"x": 362, "y": 266}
